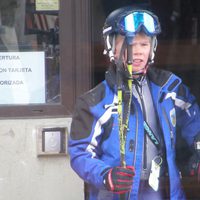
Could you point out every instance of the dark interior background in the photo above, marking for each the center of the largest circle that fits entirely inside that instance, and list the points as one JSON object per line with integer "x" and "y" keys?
{"x": 178, "y": 44}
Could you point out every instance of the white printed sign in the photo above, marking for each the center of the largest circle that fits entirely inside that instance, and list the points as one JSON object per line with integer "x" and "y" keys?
{"x": 22, "y": 77}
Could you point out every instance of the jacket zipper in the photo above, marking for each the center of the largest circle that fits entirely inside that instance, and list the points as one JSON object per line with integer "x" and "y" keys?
{"x": 168, "y": 123}
{"x": 144, "y": 115}
{"x": 165, "y": 114}
{"x": 136, "y": 136}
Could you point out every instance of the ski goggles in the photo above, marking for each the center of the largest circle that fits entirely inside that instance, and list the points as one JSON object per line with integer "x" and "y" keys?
{"x": 136, "y": 21}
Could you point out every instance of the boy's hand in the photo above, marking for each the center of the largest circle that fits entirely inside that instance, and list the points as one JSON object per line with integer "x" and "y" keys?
{"x": 119, "y": 179}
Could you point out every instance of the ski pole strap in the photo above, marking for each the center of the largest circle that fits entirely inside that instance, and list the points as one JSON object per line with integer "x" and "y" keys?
{"x": 152, "y": 136}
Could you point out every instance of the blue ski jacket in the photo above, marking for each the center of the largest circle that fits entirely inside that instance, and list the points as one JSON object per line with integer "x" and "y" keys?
{"x": 94, "y": 137}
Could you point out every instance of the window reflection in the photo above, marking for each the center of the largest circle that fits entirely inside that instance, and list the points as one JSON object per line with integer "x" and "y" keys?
{"x": 8, "y": 36}
{"x": 23, "y": 28}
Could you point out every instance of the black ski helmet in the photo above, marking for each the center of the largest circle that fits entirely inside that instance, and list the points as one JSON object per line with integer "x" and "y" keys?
{"x": 128, "y": 21}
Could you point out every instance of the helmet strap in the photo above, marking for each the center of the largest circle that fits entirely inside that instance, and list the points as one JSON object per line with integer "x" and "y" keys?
{"x": 109, "y": 49}
{"x": 153, "y": 50}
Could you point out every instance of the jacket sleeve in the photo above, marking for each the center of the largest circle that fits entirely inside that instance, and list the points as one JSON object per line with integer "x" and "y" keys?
{"x": 188, "y": 114}
{"x": 83, "y": 145}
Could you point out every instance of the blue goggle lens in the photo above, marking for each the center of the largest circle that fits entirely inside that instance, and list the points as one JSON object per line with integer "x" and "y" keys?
{"x": 132, "y": 23}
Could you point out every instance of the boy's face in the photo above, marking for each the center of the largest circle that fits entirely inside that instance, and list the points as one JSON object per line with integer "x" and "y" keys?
{"x": 141, "y": 47}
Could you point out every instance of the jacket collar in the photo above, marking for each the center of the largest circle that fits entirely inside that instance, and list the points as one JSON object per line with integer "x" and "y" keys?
{"x": 157, "y": 76}
{"x": 110, "y": 77}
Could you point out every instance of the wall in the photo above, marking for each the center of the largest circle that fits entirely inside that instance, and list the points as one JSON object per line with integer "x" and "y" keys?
{"x": 24, "y": 175}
